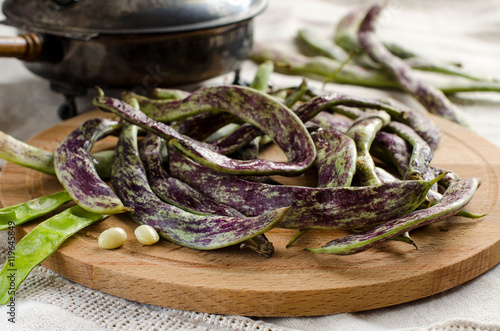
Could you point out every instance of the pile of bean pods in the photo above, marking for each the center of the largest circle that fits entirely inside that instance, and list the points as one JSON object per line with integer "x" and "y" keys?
{"x": 187, "y": 164}
{"x": 357, "y": 56}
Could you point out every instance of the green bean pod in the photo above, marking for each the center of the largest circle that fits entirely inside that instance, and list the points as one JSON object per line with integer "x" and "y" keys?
{"x": 29, "y": 210}
{"x": 76, "y": 172}
{"x": 169, "y": 94}
{"x": 39, "y": 244}
{"x": 455, "y": 198}
{"x": 314, "y": 45}
{"x": 174, "y": 224}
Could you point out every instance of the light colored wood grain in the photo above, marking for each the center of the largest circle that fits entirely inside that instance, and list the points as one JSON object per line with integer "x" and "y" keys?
{"x": 293, "y": 282}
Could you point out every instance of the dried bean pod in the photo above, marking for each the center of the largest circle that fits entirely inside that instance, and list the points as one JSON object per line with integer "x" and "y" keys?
{"x": 455, "y": 198}
{"x": 76, "y": 172}
{"x": 274, "y": 119}
{"x": 319, "y": 208}
{"x": 429, "y": 96}
{"x": 172, "y": 223}
{"x": 336, "y": 160}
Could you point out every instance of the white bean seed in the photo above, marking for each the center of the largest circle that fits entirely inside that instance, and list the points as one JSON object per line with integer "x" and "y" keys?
{"x": 112, "y": 238}
{"x": 146, "y": 234}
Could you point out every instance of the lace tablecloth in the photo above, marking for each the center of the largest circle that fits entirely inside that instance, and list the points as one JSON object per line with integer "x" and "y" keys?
{"x": 465, "y": 31}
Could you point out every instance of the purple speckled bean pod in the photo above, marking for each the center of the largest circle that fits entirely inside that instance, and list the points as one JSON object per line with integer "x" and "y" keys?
{"x": 455, "y": 198}
{"x": 254, "y": 107}
{"x": 26, "y": 155}
{"x": 393, "y": 150}
{"x": 201, "y": 126}
{"x": 76, "y": 172}
{"x": 318, "y": 208}
{"x": 174, "y": 224}
{"x": 336, "y": 160}
{"x": 421, "y": 154}
{"x": 363, "y": 132}
{"x": 328, "y": 120}
{"x": 427, "y": 129}
{"x": 159, "y": 110}
{"x": 429, "y": 96}
{"x": 172, "y": 190}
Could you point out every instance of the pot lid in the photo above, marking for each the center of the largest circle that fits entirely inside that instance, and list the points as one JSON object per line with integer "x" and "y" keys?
{"x": 89, "y": 18}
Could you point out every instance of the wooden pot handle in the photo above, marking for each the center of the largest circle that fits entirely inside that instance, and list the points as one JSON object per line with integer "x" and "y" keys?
{"x": 27, "y": 47}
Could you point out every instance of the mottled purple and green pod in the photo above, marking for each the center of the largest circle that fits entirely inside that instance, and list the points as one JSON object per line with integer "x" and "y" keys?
{"x": 456, "y": 197}
{"x": 336, "y": 160}
{"x": 75, "y": 169}
{"x": 252, "y": 106}
{"x": 172, "y": 190}
{"x": 421, "y": 154}
{"x": 201, "y": 126}
{"x": 317, "y": 208}
{"x": 172, "y": 223}
{"x": 393, "y": 150}
{"x": 25, "y": 155}
{"x": 331, "y": 121}
{"x": 363, "y": 132}
{"x": 429, "y": 96}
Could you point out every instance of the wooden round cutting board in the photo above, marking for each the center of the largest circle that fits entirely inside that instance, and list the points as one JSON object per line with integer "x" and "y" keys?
{"x": 293, "y": 282}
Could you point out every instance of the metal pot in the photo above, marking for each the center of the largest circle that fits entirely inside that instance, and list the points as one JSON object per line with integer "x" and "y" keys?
{"x": 131, "y": 44}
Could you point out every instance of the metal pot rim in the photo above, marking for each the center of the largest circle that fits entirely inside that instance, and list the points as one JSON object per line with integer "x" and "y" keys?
{"x": 17, "y": 16}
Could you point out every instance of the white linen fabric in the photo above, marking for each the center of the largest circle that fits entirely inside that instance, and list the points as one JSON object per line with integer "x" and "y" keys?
{"x": 464, "y": 31}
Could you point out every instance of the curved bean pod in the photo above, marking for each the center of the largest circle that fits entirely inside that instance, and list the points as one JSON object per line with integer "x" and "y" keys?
{"x": 76, "y": 172}
{"x": 26, "y": 155}
{"x": 272, "y": 118}
{"x": 172, "y": 223}
{"x": 363, "y": 131}
{"x": 172, "y": 190}
{"x": 429, "y": 96}
{"x": 426, "y": 128}
{"x": 421, "y": 154}
{"x": 316, "y": 45}
{"x": 455, "y": 198}
{"x": 318, "y": 208}
{"x": 336, "y": 160}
